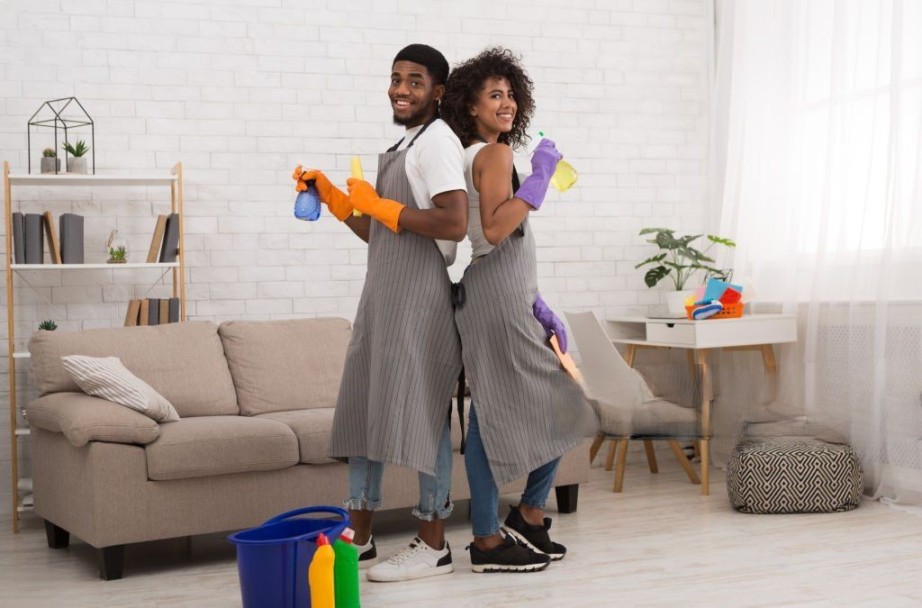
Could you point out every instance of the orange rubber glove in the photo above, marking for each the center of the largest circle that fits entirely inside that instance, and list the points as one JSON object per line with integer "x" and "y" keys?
{"x": 331, "y": 196}
{"x": 364, "y": 198}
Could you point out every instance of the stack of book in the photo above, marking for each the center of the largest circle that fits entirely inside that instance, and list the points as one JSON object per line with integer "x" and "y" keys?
{"x": 30, "y": 230}
{"x": 152, "y": 311}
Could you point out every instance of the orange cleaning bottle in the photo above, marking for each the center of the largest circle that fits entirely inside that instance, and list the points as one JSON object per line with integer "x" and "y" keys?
{"x": 320, "y": 575}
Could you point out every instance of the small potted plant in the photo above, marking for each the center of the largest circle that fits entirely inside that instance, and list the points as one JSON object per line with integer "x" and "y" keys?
{"x": 77, "y": 161}
{"x": 48, "y": 325}
{"x": 679, "y": 260}
{"x": 50, "y": 161}
{"x": 116, "y": 248}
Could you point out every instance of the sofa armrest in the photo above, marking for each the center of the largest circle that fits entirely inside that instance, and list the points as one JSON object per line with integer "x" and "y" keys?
{"x": 83, "y": 418}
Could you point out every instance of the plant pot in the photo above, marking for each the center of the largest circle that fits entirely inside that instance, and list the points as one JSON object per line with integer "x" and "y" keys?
{"x": 76, "y": 164}
{"x": 675, "y": 300}
{"x": 51, "y": 164}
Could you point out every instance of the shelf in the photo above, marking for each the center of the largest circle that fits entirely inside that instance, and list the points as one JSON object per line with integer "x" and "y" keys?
{"x": 22, "y": 355}
{"x": 101, "y": 266}
{"x": 67, "y": 179}
{"x": 24, "y": 431}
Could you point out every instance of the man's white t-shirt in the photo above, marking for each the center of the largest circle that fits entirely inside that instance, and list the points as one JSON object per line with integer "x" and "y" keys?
{"x": 435, "y": 164}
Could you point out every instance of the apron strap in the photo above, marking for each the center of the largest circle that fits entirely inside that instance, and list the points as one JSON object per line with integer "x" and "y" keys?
{"x": 462, "y": 388}
{"x": 415, "y": 137}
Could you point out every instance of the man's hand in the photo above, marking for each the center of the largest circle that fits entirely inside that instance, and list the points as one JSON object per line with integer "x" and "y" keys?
{"x": 334, "y": 198}
{"x": 363, "y": 197}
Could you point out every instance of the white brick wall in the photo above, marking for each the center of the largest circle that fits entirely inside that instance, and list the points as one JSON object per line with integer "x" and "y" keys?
{"x": 242, "y": 90}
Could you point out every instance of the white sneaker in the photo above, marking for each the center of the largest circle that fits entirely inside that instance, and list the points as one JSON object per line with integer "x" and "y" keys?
{"x": 368, "y": 554}
{"x": 419, "y": 560}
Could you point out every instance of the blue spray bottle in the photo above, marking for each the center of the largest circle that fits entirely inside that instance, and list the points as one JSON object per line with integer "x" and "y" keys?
{"x": 307, "y": 204}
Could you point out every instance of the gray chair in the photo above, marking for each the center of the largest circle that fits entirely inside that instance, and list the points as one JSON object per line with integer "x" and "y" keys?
{"x": 626, "y": 406}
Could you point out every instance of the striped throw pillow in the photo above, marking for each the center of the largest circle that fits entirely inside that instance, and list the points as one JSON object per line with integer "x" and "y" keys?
{"x": 107, "y": 378}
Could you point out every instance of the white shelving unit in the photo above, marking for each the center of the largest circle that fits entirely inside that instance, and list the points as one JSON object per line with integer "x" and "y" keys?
{"x": 21, "y": 487}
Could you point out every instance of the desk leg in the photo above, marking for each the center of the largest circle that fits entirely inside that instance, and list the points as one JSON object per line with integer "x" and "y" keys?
{"x": 705, "y": 379}
{"x": 629, "y": 353}
{"x": 768, "y": 358}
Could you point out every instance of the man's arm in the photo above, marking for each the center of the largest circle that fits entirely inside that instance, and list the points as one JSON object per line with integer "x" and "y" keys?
{"x": 447, "y": 220}
{"x": 360, "y": 225}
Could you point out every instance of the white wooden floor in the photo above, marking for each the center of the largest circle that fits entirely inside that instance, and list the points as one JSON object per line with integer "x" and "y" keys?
{"x": 660, "y": 543}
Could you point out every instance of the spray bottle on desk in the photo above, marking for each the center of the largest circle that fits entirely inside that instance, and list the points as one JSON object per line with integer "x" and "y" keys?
{"x": 564, "y": 176}
{"x": 320, "y": 574}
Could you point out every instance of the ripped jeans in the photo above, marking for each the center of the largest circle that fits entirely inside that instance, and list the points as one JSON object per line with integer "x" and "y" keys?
{"x": 434, "y": 492}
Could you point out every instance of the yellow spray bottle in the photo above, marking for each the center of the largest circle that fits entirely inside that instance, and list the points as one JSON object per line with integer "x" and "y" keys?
{"x": 356, "y": 171}
{"x": 320, "y": 575}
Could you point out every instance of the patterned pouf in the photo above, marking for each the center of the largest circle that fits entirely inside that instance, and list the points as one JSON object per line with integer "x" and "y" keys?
{"x": 793, "y": 475}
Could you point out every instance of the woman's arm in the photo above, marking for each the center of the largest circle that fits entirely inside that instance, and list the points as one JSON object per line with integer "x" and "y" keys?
{"x": 500, "y": 212}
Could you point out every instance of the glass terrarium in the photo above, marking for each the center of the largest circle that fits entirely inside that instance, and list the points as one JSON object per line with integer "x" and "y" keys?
{"x": 116, "y": 249}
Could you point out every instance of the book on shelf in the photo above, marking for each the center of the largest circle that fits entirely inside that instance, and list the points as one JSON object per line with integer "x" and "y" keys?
{"x": 53, "y": 248}
{"x": 71, "y": 238}
{"x": 164, "y": 316}
{"x": 170, "y": 239}
{"x": 34, "y": 237}
{"x": 153, "y": 254}
{"x": 174, "y": 310}
{"x": 134, "y": 309}
{"x": 144, "y": 314}
{"x": 19, "y": 252}
{"x": 153, "y": 311}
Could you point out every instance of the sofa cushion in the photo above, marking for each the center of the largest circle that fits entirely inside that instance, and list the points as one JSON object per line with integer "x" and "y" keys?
{"x": 184, "y": 362}
{"x": 291, "y": 364}
{"x": 107, "y": 378}
{"x": 83, "y": 418}
{"x": 218, "y": 445}
{"x": 312, "y": 427}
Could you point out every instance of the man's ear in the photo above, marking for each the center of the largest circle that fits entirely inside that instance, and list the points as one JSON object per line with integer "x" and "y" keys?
{"x": 438, "y": 91}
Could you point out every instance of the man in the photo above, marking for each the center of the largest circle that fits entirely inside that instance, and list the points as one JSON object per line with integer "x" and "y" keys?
{"x": 405, "y": 354}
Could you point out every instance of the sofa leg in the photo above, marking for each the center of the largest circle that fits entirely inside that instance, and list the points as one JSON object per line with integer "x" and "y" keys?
{"x": 567, "y": 497}
{"x": 111, "y": 560}
{"x": 58, "y": 538}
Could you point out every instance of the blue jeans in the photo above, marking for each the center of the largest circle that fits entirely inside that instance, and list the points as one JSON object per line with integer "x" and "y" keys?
{"x": 485, "y": 494}
{"x": 434, "y": 492}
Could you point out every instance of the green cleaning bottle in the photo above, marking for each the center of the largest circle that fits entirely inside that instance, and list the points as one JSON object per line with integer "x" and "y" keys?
{"x": 346, "y": 570}
{"x": 320, "y": 574}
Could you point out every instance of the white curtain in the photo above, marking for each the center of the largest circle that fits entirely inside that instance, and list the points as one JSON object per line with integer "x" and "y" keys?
{"x": 818, "y": 177}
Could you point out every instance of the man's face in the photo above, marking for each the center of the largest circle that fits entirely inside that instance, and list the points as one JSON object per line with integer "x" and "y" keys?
{"x": 414, "y": 98}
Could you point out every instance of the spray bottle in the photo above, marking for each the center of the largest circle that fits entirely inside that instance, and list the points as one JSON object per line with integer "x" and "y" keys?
{"x": 346, "y": 571}
{"x": 320, "y": 574}
{"x": 564, "y": 176}
{"x": 307, "y": 203}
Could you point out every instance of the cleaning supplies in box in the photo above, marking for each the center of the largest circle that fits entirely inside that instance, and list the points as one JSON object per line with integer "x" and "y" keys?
{"x": 717, "y": 299}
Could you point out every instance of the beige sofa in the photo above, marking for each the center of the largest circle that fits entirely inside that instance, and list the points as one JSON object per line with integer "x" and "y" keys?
{"x": 256, "y": 400}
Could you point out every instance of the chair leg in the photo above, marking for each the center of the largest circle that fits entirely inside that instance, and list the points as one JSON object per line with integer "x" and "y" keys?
{"x": 596, "y": 446}
{"x": 651, "y": 455}
{"x": 683, "y": 460}
{"x": 610, "y": 457}
{"x": 619, "y": 467}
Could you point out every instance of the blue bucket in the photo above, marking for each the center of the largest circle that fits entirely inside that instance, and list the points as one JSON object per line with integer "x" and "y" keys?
{"x": 272, "y": 560}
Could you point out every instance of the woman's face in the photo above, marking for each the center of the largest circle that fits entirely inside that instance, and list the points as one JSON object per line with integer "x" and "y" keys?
{"x": 494, "y": 109}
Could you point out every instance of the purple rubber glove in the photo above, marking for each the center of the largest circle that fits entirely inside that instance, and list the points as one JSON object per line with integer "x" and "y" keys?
{"x": 552, "y": 324}
{"x": 543, "y": 164}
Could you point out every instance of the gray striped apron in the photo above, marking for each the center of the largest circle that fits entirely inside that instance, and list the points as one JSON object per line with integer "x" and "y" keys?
{"x": 405, "y": 353}
{"x": 528, "y": 409}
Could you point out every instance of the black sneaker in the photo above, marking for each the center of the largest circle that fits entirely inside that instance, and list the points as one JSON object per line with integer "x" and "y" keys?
{"x": 368, "y": 553}
{"x": 534, "y": 537}
{"x": 507, "y": 557}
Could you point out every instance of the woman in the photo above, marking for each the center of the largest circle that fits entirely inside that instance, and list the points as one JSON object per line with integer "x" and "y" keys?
{"x": 526, "y": 411}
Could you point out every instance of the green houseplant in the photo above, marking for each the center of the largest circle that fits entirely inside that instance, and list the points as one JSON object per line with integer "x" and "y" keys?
{"x": 76, "y": 163}
{"x": 48, "y": 325}
{"x": 50, "y": 162}
{"x": 679, "y": 259}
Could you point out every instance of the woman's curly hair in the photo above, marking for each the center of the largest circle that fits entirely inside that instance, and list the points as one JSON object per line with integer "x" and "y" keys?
{"x": 466, "y": 82}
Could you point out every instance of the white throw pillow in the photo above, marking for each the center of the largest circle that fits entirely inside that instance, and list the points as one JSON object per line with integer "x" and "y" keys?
{"x": 107, "y": 378}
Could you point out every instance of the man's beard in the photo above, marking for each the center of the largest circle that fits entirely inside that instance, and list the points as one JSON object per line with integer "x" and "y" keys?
{"x": 414, "y": 117}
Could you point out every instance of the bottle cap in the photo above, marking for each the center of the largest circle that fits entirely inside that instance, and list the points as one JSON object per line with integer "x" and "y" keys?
{"x": 322, "y": 540}
{"x": 347, "y": 536}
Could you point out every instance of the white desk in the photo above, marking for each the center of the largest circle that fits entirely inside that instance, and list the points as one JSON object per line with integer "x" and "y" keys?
{"x": 749, "y": 332}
